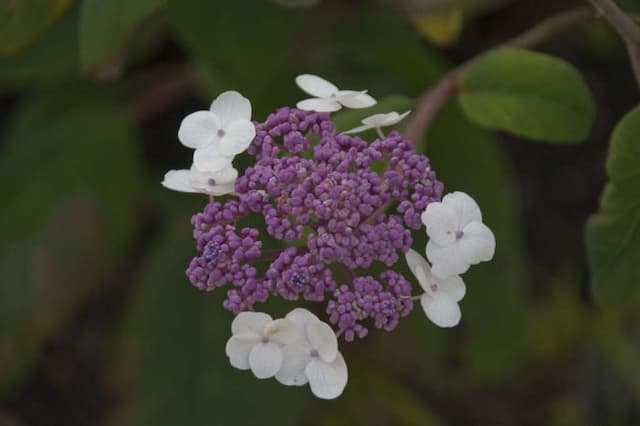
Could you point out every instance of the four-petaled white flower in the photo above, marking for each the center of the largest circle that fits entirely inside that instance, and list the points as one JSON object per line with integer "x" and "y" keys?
{"x": 328, "y": 97}
{"x": 257, "y": 343}
{"x": 377, "y": 121}
{"x": 193, "y": 180}
{"x": 313, "y": 357}
{"x": 441, "y": 295}
{"x": 457, "y": 236}
{"x": 219, "y": 134}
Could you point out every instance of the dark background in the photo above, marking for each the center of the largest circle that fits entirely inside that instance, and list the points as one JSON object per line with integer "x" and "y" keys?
{"x": 98, "y": 323}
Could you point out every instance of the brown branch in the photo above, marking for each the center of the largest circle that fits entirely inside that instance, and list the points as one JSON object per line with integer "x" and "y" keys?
{"x": 626, "y": 28}
{"x": 436, "y": 97}
{"x": 168, "y": 86}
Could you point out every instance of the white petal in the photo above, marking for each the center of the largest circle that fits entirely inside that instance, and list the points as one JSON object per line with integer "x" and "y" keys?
{"x": 382, "y": 120}
{"x": 420, "y": 268}
{"x": 295, "y": 358}
{"x": 231, "y": 106}
{"x": 377, "y": 120}
{"x": 238, "y": 136}
{"x": 216, "y": 183}
{"x": 327, "y": 380}
{"x": 302, "y": 317}
{"x": 395, "y": 118}
{"x": 478, "y": 243}
{"x": 446, "y": 261}
{"x": 359, "y": 129}
{"x": 281, "y": 331}
{"x": 227, "y": 175}
{"x": 224, "y": 189}
{"x": 322, "y": 338}
{"x": 453, "y": 286}
{"x": 441, "y": 222}
{"x": 210, "y": 159}
{"x": 178, "y": 180}
{"x": 238, "y": 351}
{"x": 249, "y": 324}
{"x": 352, "y": 99}
{"x": 441, "y": 309}
{"x": 265, "y": 359}
{"x": 316, "y": 86}
{"x": 198, "y": 129}
{"x": 319, "y": 105}
{"x": 465, "y": 207}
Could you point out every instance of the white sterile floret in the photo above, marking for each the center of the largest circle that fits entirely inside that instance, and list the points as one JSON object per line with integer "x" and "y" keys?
{"x": 212, "y": 183}
{"x": 457, "y": 236}
{"x": 378, "y": 121}
{"x": 313, "y": 357}
{"x": 257, "y": 343}
{"x": 219, "y": 134}
{"x": 441, "y": 295}
{"x": 327, "y": 97}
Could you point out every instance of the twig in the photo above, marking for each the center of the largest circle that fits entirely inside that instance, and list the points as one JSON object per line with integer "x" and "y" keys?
{"x": 626, "y": 29}
{"x": 169, "y": 86}
{"x": 434, "y": 99}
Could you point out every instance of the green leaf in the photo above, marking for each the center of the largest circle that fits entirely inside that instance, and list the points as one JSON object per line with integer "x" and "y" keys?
{"x": 528, "y": 94}
{"x": 68, "y": 175}
{"x": 21, "y": 22}
{"x": 105, "y": 26}
{"x": 172, "y": 364}
{"x": 613, "y": 234}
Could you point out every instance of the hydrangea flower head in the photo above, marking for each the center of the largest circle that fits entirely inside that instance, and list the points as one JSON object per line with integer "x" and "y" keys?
{"x": 307, "y": 221}
{"x": 316, "y": 191}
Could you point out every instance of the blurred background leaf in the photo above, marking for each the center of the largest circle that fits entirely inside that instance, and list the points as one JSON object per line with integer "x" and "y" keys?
{"x": 22, "y": 21}
{"x": 105, "y": 27}
{"x": 172, "y": 367}
{"x": 613, "y": 234}
{"x": 68, "y": 211}
{"x": 441, "y": 26}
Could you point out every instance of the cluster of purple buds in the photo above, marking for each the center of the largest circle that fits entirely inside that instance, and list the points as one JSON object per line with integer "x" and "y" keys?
{"x": 333, "y": 205}
{"x": 320, "y": 216}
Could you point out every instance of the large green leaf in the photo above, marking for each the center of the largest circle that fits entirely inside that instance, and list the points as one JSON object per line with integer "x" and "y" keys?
{"x": 528, "y": 94}
{"x": 613, "y": 234}
{"x": 173, "y": 366}
{"x": 105, "y": 26}
{"x": 22, "y": 21}
{"x": 69, "y": 182}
